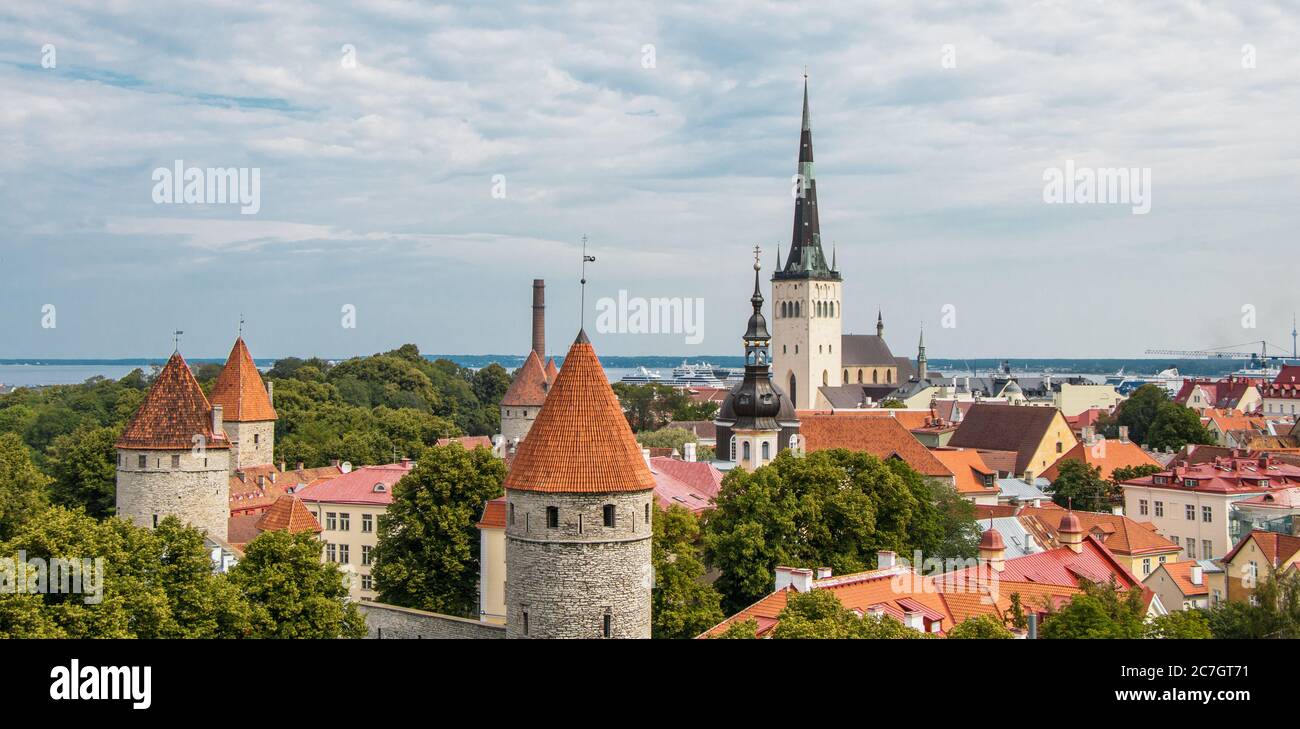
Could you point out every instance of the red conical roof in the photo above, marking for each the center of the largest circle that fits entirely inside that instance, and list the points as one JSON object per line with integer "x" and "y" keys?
{"x": 530, "y": 385}
{"x": 173, "y": 412}
{"x": 580, "y": 441}
{"x": 551, "y": 370}
{"x": 239, "y": 389}
{"x": 288, "y": 513}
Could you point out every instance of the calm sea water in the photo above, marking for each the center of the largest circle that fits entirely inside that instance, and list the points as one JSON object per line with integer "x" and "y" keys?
{"x": 33, "y": 372}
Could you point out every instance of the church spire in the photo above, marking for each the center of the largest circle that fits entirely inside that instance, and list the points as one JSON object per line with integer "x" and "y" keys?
{"x": 880, "y": 323}
{"x": 806, "y": 259}
{"x": 922, "y": 370}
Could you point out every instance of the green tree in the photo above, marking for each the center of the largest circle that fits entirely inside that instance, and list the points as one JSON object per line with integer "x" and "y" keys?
{"x": 1019, "y": 620}
{"x": 1100, "y": 611}
{"x": 84, "y": 466}
{"x": 652, "y": 405}
{"x": 1181, "y": 624}
{"x": 670, "y": 437}
{"x": 428, "y": 551}
{"x": 1275, "y": 613}
{"x": 1175, "y": 426}
{"x": 819, "y": 614}
{"x": 980, "y": 626}
{"x": 22, "y": 486}
{"x": 1080, "y": 486}
{"x": 1128, "y": 473}
{"x": 291, "y": 593}
{"x": 683, "y": 604}
{"x": 1139, "y": 410}
{"x": 893, "y": 403}
{"x": 830, "y": 508}
{"x": 740, "y": 630}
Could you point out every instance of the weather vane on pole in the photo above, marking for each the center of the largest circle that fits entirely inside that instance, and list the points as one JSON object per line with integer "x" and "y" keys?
{"x": 241, "y": 325}
{"x": 582, "y": 312}
{"x": 176, "y": 340}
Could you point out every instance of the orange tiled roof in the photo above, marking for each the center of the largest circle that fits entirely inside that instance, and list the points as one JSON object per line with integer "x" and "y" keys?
{"x": 1181, "y": 574}
{"x": 494, "y": 514}
{"x": 254, "y": 488}
{"x": 881, "y": 437}
{"x": 968, "y": 469}
{"x": 1119, "y": 534}
{"x": 288, "y": 513}
{"x": 239, "y": 389}
{"x": 1109, "y": 456}
{"x": 911, "y": 419}
{"x": 580, "y": 441}
{"x": 1278, "y": 548}
{"x": 551, "y": 370}
{"x": 468, "y": 442}
{"x": 173, "y": 412}
{"x": 530, "y": 385}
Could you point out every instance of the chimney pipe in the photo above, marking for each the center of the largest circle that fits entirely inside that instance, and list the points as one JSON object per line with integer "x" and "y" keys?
{"x": 885, "y": 559}
{"x": 1032, "y": 619}
{"x": 270, "y": 391}
{"x": 217, "y": 421}
{"x": 645, "y": 454}
{"x": 1197, "y": 575}
{"x": 539, "y": 317}
{"x": 689, "y": 455}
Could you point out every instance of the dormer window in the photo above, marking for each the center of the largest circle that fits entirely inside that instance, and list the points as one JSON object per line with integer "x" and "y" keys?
{"x": 380, "y": 488}
{"x": 1190, "y": 483}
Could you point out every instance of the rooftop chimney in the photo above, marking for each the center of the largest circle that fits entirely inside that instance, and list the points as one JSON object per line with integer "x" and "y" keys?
{"x": 823, "y": 572}
{"x": 913, "y": 620}
{"x": 1197, "y": 575}
{"x": 218, "y": 417}
{"x": 885, "y": 559}
{"x": 539, "y": 317}
{"x": 689, "y": 455}
{"x": 645, "y": 453}
{"x": 1123, "y": 434}
{"x": 270, "y": 391}
{"x": 800, "y": 578}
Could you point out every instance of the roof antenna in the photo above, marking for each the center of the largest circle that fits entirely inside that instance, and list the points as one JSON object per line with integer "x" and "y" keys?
{"x": 176, "y": 341}
{"x": 582, "y": 312}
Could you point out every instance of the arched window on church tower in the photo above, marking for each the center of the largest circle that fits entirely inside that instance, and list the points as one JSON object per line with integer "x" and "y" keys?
{"x": 859, "y": 375}
{"x": 746, "y": 447}
{"x": 733, "y": 448}
{"x": 875, "y": 377}
{"x": 767, "y": 451}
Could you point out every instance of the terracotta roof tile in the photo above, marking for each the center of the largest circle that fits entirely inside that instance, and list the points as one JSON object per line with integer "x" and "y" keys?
{"x": 288, "y": 513}
{"x": 691, "y": 485}
{"x": 239, "y": 389}
{"x": 1278, "y": 548}
{"x": 1181, "y": 574}
{"x": 580, "y": 441}
{"x": 969, "y": 470}
{"x": 469, "y": 442}
{"x": 551, "y": 370}
{"x": 881, "y": 437}
{"x": 529, "y": 386}
{"x": 361, "y": 486}
{"x": 173, "y": 412}
{"x": 1108, "y": 456}
{"x": 254, "y": 488}
{"x": 494, "y": 514}
{"x": 1119, "y": 534}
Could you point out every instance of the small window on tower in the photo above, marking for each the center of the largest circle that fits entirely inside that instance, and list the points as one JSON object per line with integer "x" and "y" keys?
{"x": 607, "y": 625}
{"x": 647, "y": 512}
{"x": 176, "y": 461}
{"x": 143, "y": 461}
{"x": 609, "y": 515}
{"x": 525, "y": 612}
{"x": 552, "y": 517}
{"x": 257, "y": 437}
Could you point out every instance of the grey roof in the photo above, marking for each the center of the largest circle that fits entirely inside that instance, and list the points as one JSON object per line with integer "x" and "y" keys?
{"x": 1015, "y": 488}
{"x": 1018, "y": 540}
{"x": 866, "y": 349}
{"x": 855, "y": 396}
{"x": 905, "y": 369}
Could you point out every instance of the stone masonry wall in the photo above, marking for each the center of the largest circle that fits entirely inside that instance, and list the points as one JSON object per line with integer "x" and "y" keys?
{"x": 197, "y": 492}
{"x": 391, "y": 621}
{"x": 515, "y": 424}
{"x": 244, "y": 451}
{"x": 570, "y": 576}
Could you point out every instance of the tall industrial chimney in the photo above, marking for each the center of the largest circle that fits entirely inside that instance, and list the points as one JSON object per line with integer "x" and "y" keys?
{"x": 539, "y": 317}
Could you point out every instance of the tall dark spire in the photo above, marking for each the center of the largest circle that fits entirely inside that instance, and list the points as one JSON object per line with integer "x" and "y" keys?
{"x": 806, "y": 259}
{"x": 756, "y": 401}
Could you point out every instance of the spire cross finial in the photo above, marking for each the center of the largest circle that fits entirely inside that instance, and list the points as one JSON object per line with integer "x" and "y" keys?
{"x": 241, "y": 325}
{"x": 757, "y": 252}
{"x": 176, "y": 340}
{"x": 582, "y": 312}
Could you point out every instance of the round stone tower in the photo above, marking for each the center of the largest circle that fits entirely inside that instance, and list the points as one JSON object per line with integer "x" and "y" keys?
{"x": 579, "y": 500}
{"x": 173, "y": 456}
{"x": 523, "y": 401}
{"x": 248, "y": 416}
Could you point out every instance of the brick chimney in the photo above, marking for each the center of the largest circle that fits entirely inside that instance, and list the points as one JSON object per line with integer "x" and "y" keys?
{"x": 1197, "y": 576}
{"x": 539, "y": 317}
{"x": 800, "y": 578}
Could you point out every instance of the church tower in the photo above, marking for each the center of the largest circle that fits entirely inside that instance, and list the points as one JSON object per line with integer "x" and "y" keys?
{"x": 248, "y": 416}
{"x": 173, "y": 457}
{"x": 922, "y": 369}
{"x": 579, "y": 500}
{"x": 806, "y": 294}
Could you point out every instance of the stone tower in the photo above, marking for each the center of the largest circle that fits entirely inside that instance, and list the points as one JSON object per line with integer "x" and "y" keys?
{"x": 756, "y": 420}
{"x": 248, "y": 416}
{"x": 173, "y": 457}
{"x": 922, "y": 366}
{"x": 579, "y": 499}
{"x": 806, "y": 295}
{"x": 523, "y": 401}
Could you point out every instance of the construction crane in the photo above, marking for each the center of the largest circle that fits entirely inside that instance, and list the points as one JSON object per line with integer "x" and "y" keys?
{"x": 1223, "y": 352}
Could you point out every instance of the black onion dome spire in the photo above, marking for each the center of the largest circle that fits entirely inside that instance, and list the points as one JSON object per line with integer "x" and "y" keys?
{"x": 756, "y": 402}
{"x": 806, "y": 259}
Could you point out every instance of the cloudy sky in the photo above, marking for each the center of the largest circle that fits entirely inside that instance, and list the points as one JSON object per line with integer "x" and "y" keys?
{"x": 667, "y": 134}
